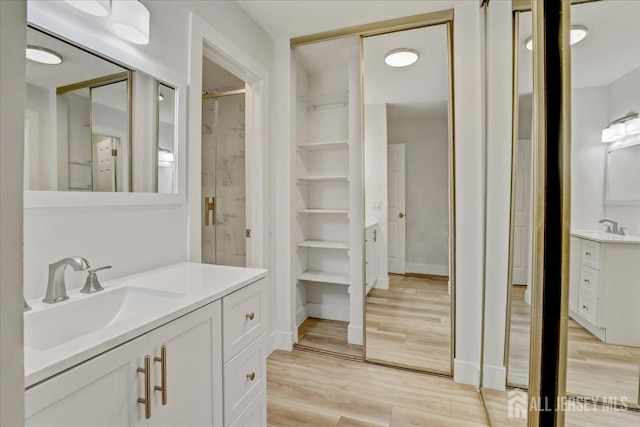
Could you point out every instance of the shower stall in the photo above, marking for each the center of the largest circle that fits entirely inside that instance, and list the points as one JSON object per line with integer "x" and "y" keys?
{"x": 223, "y": 178}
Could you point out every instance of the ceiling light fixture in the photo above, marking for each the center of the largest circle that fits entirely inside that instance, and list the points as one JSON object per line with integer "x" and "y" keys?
{"x": 576, "y": 35}
{"x": 92, "y": 7}
{"x": 131, "y": 20}
{"x": 43, "y": 55}
{"x": 619, "y": 128}
{"x": 401, "y": 57}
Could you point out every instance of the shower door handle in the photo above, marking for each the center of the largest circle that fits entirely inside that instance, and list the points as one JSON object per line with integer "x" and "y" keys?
{"x": 209, "y": 207}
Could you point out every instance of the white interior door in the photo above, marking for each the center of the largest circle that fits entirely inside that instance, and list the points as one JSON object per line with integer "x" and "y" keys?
{"x": 104, "y": 168}
{"x": 396, "y": 208}
{"x": 521, "y": 214}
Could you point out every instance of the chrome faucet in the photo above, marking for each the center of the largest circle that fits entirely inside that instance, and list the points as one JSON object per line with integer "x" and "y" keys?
{"x": 613, "y": 228}
{"x": 56, "y": 289}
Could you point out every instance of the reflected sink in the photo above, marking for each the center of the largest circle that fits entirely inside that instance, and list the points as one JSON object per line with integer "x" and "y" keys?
{"x": 56, "y": 325}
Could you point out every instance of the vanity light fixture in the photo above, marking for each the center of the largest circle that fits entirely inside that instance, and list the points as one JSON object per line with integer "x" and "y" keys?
{"x": 619, "y": 128}
{"x": 43, "y": 55}
{"x": 131, "y": 20}
{"x": 401, "y": 57}
{"x": 92, "y": 7}
{"x": 576, "y": 35}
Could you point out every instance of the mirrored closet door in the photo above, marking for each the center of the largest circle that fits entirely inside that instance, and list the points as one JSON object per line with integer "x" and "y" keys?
{"x": 408, "y": 165}
{"x": 604, "y": 321}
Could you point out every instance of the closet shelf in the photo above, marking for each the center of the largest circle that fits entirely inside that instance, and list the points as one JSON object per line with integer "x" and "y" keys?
{"x": 324, "y": 211}
{"x": 323, "y": 178}
{"x": 324, "y": 277}
{"x": 322, "y": 146}
{"x": 80, "y": 162}
{"x": 314, "y": 101}
{"x": 323, "y": 244}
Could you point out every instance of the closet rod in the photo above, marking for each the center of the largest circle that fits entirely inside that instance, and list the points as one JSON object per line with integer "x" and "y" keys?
{"x": 208, "y": 95}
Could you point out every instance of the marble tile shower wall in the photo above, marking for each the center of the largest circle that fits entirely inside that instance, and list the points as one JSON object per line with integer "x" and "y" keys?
{"x": 223, "y": 177}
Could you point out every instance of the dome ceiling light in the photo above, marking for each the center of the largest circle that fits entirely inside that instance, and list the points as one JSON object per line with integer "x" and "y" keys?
{"x": 576, "y": 35}
{"x": 401, "y": 57}
{"x": 43, "y": 55}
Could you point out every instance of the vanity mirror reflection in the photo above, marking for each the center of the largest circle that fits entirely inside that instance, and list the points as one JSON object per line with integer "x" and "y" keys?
{"x": 604, "y": 289}
{"x": 92, "y": 125}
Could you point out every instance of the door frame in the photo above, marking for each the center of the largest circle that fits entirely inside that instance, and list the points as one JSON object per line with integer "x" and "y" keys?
{"x": 206, "y": 41}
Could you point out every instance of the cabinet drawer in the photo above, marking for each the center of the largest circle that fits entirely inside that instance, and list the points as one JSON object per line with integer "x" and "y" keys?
{"x": 244, "y": 378}
{"x": 588, "y": 307}
{"x": 590, "y": 255}
{"x": 589, "y": 280}
{"x": 244, "y": 315}
{"x": 256, "y": 413}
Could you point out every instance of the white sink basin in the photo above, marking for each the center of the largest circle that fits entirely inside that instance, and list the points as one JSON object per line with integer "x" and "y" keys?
{"x": 64, "y": 322}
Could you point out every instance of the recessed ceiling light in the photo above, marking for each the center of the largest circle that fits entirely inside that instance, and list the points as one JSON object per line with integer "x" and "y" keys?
{"x": 131, "y": 21}
{"x": 92, "y": 7}
{"x": 401, "y": 57}
{"x": 576, "y": 35}
{"x": 43, "y": 55}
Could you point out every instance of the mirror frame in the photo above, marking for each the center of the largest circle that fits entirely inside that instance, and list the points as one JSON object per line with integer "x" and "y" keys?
{"x": 120, "y": 53}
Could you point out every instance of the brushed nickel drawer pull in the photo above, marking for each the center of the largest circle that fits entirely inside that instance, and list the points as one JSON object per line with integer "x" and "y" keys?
{"x": 251, "y": 376}
{"x": 587, "y": 253}
{"x": 147, "y": 387}
{"x": 250, "y": 316}
{"x": 586, "y": 280}
{"x": 163, "y": 367}
{"x": 584, "y": 307}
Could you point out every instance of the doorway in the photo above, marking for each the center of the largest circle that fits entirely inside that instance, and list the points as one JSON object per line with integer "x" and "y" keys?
{"x": 224, "y": 230}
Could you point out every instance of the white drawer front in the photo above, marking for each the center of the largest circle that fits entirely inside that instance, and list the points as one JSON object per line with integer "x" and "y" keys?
{"x": 590, "y": 255}
{"x": 255, "y": 415}
{"x": 244, "y": 314}
{"x": 588, "y": 307}
{"x": 589, "y": 280}
{"x": 244, "y": 378}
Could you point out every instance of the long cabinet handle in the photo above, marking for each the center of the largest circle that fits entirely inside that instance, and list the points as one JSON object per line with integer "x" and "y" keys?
{"x": 163, "y": 367}
{"x": 147, "y": 387}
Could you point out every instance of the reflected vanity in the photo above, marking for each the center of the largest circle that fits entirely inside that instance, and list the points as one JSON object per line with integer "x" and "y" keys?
{"x": 92, "y": 125}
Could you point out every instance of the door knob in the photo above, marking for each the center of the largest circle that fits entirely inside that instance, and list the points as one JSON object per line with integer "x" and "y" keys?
{"x": 400, "y": 215}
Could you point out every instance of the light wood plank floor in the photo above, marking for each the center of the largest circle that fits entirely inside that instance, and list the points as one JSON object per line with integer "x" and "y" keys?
{"x": 327, "y": 336}
{"x": 598, "y": 416}
{"x": 594, "y": 368}
{"x": 308, "y": 389}
{"x": 409, "y": 324}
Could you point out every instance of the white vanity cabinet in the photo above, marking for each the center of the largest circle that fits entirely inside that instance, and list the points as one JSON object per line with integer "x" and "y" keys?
{"x": 206, "y": 368}
{"x": 104, "y": 391}
{"x": 604, "y": 288}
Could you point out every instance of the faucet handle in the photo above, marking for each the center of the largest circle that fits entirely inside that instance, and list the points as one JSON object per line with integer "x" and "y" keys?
{"x": 621, "y": 231}
{"x": 608, "y": 229}
{"x": 92, "y": 284}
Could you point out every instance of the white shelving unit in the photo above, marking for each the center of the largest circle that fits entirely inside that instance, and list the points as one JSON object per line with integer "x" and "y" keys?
{"x": 328, "y": 241}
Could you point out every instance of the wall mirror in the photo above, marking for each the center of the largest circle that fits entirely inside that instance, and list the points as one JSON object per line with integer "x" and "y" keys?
{"x": 92, "y": 125}
{"x": 408, "y": 165}
{"x": 604, "y": 323}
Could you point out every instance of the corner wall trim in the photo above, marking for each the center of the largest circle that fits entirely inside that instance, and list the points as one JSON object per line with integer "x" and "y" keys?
{"x": 466, "y": 372}
{"x": 280, "y": 340}
{"x": 494, "y": 377}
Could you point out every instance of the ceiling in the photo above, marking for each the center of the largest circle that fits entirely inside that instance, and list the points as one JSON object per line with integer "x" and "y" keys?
{"x": 214, "y": 77}
{"x": 610, "y": 50}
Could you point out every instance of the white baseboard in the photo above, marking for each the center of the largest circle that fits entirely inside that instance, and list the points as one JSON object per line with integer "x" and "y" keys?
{"x": 438, "y": 270}
{"x": 280, "y": 340}
{"x": 527, "y": 297}
{"x": 598, "y": 332}
{"x": 302, "y": 314}
{"x": 494, "y": 377}
{"x": 466, "y": 372}
{"x": 330, "y": 312}
{"x": 382, "y": 283}
{"x": 354, "y": 335}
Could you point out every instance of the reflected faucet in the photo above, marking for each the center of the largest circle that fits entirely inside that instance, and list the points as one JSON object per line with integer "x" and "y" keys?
{"x": 613, "y": 228}
{"x": 56, "y": 288}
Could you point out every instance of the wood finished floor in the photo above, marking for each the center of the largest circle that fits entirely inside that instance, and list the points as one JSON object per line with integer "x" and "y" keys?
{"x": 497, "y": 407}
{"x": 594, "y": 368}
{"x": 307, "y": 389}
{"x": 327, "y": 336}
{"x": 409, "y": 324}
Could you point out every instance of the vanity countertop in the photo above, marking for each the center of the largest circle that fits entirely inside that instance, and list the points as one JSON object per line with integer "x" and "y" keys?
{"x": 195, "y": 284}
{"x": 599, "y": 236}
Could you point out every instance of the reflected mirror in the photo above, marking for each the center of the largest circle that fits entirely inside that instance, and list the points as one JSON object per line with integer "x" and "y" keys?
{"x": 604, "y": 320}
{"x": 93, "y": 125}
{"x": 408, "y": 193}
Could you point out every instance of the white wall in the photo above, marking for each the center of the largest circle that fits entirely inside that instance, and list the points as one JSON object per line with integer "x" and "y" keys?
{"x": 375, "y": 177}
{"x": 12, "y": 102}
{"x": 427, "y": 193}
{"x": 623, "y": 96}
{"x": 40, "y": 151}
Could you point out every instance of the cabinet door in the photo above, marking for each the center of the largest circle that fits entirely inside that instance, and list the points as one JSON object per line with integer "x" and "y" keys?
{"x": 100, "y": 392}
{"x": 574, "y": 272}
{"x": 193, "y": 369}
{"x": 368, "y": 256}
